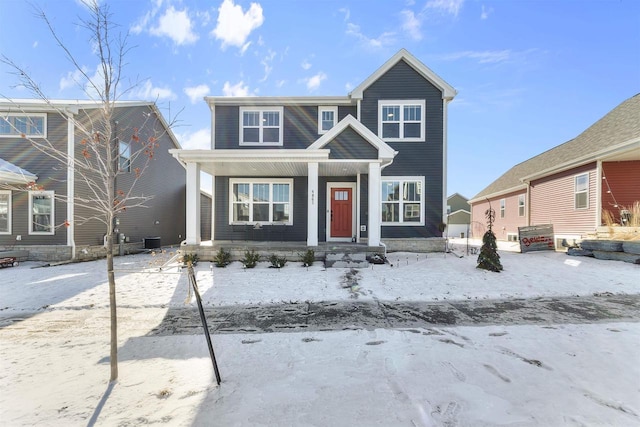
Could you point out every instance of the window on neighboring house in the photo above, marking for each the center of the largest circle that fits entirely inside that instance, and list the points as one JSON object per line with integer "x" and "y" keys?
{"x": 401, "y": 120}
{"x": 521, "y": 199}
{"x": 448, "y": 209}
{"x": 503, "y": 206}
{"x": 5, "y": 212}
{"x": 264, "y": 201}
{"x": 261, "y": 126}
{"x": 581, "y": 199}
{"x": 402, "y": 201}
{"x": 41, "y": 205}
{"x": 29, "y": 125}
{"x": 327, "y": 118}
{"x": 124, "y": 156}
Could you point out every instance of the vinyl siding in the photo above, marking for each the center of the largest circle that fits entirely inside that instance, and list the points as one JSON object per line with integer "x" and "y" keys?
{"x": 552, "y": 202}
{"x": 402, "y": 82}
{"x": 52, "y": 176}
{"x": 502, "y": 226}
{"x": 623, "y": 179}
{"x": 350, "y": 145}
{"x": 205, "y": 216}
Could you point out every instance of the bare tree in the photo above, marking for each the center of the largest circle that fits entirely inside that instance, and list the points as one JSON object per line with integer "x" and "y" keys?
{"x": 100, "y": 162}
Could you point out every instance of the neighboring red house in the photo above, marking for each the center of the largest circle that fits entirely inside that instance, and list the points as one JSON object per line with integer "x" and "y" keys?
{"x": 570, "y": 185}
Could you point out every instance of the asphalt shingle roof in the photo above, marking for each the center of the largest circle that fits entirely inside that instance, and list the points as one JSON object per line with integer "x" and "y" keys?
{"x": 622, "y": 124}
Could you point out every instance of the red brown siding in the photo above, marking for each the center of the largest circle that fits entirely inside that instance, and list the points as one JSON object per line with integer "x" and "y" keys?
{"x": 622, "y": 179}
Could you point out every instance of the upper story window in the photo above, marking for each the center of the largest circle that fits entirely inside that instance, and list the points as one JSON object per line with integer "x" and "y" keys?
{"x": 401, "y": 120}
{"x": 503, "y": 207}
{"x": 124, "y": 156}
{"x": 41, "y": 212}
{"x": 521, "y": 201}
{"x": 327, "y": 118}
{"x": 402, "y": 201}
{"x": 581, "y": 192}
{"x": 17, "y": 124}
{"x": 261, "y": 126}
{"x": 5, "y": 212}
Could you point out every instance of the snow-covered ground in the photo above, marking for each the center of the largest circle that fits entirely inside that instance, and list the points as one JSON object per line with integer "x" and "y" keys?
{"x": 54, "y": 346}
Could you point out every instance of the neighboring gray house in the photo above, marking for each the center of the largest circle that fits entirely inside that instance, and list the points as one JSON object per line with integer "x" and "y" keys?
{"x": 368, "y": 167}
{"x": 39, "y": 220}
{"x": 458, "y": 216}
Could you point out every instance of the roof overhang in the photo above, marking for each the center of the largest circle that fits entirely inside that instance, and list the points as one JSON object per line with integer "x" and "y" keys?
{"x": 13, "y": 175}
{"x": 278, "y": 100}
{"x": 498, "y": 194}
{"x": 629, "y": 150}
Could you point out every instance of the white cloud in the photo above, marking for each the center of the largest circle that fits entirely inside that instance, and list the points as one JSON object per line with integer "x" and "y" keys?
{"x": 280, "y": 83}
{"x": 234, "y": 25}
{"x": 198, "y": 140}
{"x": 196, "y": 93}
{"x": 485, "y": 12}
{"x": 305, "y": 65}
{"x": 148, "y": 92}
{"x": 451, "y": 7}
{"x": 239, "y": 89}
{"x": 411, "y": 24}
{"x": 347, "y": 13}
{"x": 384, "y": 39}
{"x": 483, "y": 57}
{"x": 313, "y": 82}
{"x": 73, "y": 78}
{"x": 143, "y": 22}
{"x": 266, "y": 63}
{"x": 176, "y": 25}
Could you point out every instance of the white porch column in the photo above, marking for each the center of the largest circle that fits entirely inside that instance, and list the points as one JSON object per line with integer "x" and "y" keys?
{"x": 312, "y": 205}
{"x": 374, "y": 204}
{"x": 193, "y": 204}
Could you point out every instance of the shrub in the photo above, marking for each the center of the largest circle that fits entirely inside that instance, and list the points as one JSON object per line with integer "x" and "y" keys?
{"x": 277, "y": 261}
{"x": 250, "y": 259}
{"x": 190, "y": 258}
{"x": 222, "y": 258}
{"x": 308, "y": 258}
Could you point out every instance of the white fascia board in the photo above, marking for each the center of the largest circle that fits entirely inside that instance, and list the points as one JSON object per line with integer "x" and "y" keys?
{"x": 62, "y": 104}
{"x": 627, "y": 146}
{"x": 499, "y": 193}
{"x": 250, "y": 156}
{"x": 384, "y": 150}
{"x": 278, "y": 100}
{"x": 448, "y": 92}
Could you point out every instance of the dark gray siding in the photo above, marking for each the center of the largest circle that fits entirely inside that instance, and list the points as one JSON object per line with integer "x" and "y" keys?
{"x": 350, "y": 145}
{"x": 164, "y": 181}
{"x": 414, "y": 158}
{"x": 344, "y": 111}
{"x": 52, "y": 176}
{"x": 205, "y": 216}
{"x": 300, "y": 126}
{"x": 289, "y": 233}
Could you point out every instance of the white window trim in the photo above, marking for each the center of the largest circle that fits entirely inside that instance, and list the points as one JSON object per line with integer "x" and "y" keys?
{"x": 503, "y": 207}
{"x": 335, "y": 118}
{"x": 120, "y": 156}
{"x": 9, "y": 212}
{"x": 575, "y": 190}
{"x": 260, "y": 181}
{"x": 53, "y": 213}
{"x": 401, "y": 222}
{"x": 5, "y": 114}
{"x": 402, "y": 104}
{"x": 260, "y": 138}
{"x": 522, "y": 203}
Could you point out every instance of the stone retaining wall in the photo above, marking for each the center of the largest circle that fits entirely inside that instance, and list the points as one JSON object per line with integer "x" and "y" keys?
{"x": 617, "y": 250}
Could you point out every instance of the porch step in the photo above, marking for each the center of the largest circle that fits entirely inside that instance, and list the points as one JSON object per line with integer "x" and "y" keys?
{"x": 346, "y": 260}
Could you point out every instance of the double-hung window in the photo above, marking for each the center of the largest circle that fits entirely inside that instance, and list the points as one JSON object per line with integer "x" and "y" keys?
{"x": 402, "y": 201}
{"x": 5, "y": 212}
{"x": 401, "y": 120}
{"x": 261, "y": 200}
{"x": 521, "y": 202}
{"x": 17, "y": 124}
{"x": 327, "y": 118}
{"x": 41, "y": 212}
{"x": 261, "y": 126}
{"x": 503, "y": 207}
{"x": 124, "y": 156}
{"x": 581, "y": 191}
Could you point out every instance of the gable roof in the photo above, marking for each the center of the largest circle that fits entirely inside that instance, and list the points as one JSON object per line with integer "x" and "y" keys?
{"x": 448, "y": 92}
{"x": 384, "y": 150}
{"x": 616, "y": 133}
{"x": 12, "y": 174}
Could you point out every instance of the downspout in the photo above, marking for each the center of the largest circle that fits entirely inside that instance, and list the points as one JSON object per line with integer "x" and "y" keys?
{"x": 71, "y": 229}
{"x": 444, "y": 157}
{"x": 381, "y": 242}
{"x": 599, "y": 175}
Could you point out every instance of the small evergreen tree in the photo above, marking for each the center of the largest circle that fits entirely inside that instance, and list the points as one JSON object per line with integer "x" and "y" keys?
{"x": 489, "y": 258}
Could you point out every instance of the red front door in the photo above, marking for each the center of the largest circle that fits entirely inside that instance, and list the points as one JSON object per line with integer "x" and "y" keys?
{"x": 341, "y": 212}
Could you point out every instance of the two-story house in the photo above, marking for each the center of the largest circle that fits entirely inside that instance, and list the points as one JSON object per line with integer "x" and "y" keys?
{"x": 458, "y": 216}
{"x": 368, "y": 167}
{"x": 49, "y": 219}
{"x": 571, "y": 186}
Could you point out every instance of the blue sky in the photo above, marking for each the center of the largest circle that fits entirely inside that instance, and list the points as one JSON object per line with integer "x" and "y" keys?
{"x": 529, "y": 74}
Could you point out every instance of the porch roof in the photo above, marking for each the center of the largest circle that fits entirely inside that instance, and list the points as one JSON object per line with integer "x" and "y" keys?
{"x": 280, "y": 162}
{"x": 12, "y": 174}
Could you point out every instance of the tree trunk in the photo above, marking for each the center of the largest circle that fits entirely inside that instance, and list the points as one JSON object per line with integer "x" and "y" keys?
{"x": 113, "y": 355}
